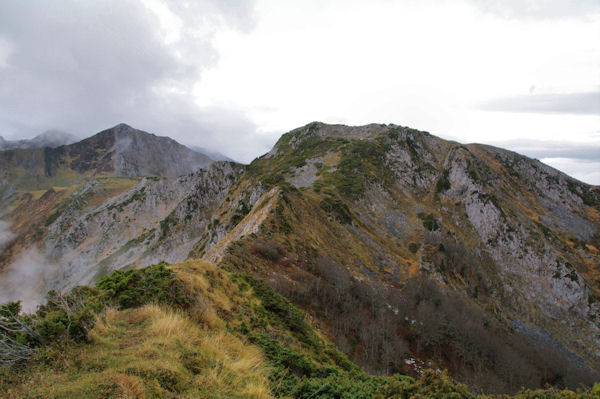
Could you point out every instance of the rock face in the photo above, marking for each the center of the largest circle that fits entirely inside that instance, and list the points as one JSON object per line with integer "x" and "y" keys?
{"x": 334, "y": 214}
{"x": 95, "y": 232}
{"x": 156, "y": 220}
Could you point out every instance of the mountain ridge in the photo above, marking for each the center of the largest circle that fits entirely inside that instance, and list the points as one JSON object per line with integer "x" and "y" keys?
{"x": 120, "y": 151}
{"x": 380, "y": 233}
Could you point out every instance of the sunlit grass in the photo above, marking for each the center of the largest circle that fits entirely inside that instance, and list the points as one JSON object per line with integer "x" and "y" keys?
{"x": 149, "y": 352}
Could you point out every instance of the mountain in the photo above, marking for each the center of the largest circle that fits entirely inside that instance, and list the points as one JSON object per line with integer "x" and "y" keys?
{"x": 483, "y": 261}
{"x": 126, "y": 151}
{"x": 121, "y": 151}
{"x": 405, "y": 250}
{"x": 50, "y": 138}
{"x": 83, "y": 205}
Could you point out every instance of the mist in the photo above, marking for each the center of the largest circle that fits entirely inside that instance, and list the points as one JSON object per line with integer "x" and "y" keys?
{"x": 5, "y": 235}
{"x": 28, "y": 278}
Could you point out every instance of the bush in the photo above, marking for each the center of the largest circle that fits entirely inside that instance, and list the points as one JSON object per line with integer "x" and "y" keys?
{"x": 443, "y": 182}
{"x": 280, "y": 311}
{"x": 429, "y": 221}
{"x": 336, "y": 208}
{"x": 131, "y": 288}
{"x": 270, "y": 250}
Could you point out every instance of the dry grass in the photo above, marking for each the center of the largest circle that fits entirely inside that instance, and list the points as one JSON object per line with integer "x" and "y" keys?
{"x": 216, "y": 294}
{"x": 146, "y": 353}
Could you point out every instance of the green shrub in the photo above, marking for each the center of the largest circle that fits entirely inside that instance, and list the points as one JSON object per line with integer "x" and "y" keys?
{"x": 135, "y": 287}
{"x": 336, "y": 208}
{"x": 361, "y": 162}
{"x": 429, "y": 221}
{"x": 443, "y": 182}
{"x": 280, "y": 311}
{"x": 71, "y": 316}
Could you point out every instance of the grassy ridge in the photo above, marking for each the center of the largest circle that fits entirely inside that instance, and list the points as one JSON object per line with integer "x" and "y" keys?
{"x": 193, "y": 330}
{"x": 146, "y": 352}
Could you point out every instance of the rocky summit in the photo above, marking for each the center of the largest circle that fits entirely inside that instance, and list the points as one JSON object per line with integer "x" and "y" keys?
{"x": 384, "y": 248}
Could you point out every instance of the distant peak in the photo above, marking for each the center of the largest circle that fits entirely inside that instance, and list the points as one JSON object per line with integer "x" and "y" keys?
{"x": 123, "y": 126}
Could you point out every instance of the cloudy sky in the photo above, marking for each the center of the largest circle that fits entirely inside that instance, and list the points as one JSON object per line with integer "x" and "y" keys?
{"x": 234, "y": 75}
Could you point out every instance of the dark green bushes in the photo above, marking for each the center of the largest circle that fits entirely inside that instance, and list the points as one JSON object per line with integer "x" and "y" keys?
{"x": 336, "y": 208}
{"x": 280, "y": 311}
{"x": 362, "y": 162}
{"x": 166, "y": 224}
{"x": 430, "y": 385}
{"x": 429, "y": 221}
{"x": 443, "y": 182}
{"x": 135, "y": 287}
{"x": 68, "y": 316}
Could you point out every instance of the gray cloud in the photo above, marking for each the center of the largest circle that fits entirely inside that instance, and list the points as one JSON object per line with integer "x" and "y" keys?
{"x": 579, "y": 160}
{"x": 586, "y": 103}
{"x": 539, "y": 9}
{"x": 553, "y": 149}
{"x": 85, "y": 66}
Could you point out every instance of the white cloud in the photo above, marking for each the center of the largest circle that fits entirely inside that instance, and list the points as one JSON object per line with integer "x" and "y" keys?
{"x": 540, "y": 9}
{"x": 587, "y": 103}
{"x": 107, "y": 62}
{"x": 233, "y": 76}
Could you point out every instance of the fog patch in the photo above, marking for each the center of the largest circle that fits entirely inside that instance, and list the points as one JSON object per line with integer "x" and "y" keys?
{"x": 121, "y": 147}
{"x": 5, "y": 235}
{"x": 27, "y": 279}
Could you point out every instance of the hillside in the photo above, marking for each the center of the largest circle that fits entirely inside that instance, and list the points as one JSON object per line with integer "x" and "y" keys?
{"x": 74, "y": 212}
{"x": 473, "y": 257}
{"x": 406, "y": 251}
{"x": 199, "y": 332}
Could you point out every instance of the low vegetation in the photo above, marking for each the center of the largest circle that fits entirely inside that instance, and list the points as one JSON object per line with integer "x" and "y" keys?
{"x": 192, "y": 330}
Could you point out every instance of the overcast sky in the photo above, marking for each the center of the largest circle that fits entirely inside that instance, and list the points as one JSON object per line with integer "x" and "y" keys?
{"x": 232, "y": 76}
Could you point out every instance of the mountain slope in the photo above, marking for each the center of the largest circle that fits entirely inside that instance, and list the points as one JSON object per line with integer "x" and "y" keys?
{"x": 406, "y": 250}
{"x": 77, "y": 211}
{"x": 508, "y": 238}
{"x": 74, "y": 236}
{"x": 199, "y": 332}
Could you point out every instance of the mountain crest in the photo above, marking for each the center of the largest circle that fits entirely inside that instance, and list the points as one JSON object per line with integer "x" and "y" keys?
{"x": 398, "y": 243}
